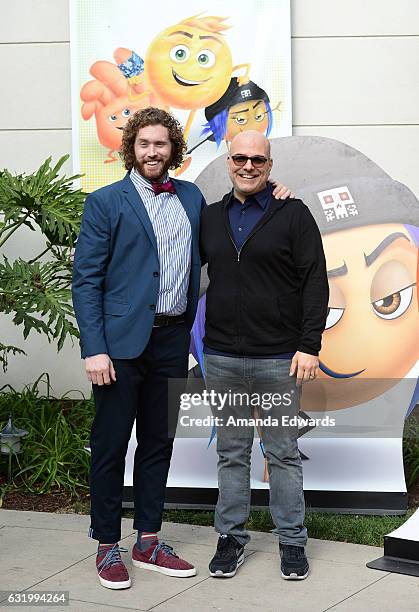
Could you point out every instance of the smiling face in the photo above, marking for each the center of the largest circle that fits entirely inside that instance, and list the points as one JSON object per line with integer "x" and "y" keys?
{"x": 153, "y": 152}
{"x": 251, "y": 115}
{"x": 248, "y": 180}
{"x": 188, "y": 67}
{"x": 372, "y": 329}
{"x": 112, "y": 118}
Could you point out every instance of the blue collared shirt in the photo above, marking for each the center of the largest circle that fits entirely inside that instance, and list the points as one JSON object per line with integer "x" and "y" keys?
{"x": 244, "y": 217}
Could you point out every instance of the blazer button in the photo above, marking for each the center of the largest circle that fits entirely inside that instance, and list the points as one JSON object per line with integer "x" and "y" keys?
{"x": 156, "y": 274}
{"x": 152, "y": 307}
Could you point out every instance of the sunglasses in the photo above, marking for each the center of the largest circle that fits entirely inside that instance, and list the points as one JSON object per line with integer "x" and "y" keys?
{"x": 258, "y": 161}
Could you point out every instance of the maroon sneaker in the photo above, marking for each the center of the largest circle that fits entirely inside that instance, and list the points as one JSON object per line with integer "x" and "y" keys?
{"x": 111, "y": 571}
{"x": 161, "y": 558}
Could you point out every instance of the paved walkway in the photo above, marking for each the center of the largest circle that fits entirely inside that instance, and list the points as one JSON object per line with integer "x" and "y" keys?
{"x": 40, "y": 551}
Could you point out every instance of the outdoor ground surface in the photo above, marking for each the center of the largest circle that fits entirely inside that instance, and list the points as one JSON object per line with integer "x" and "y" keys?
{"x": 369, "y": 530}
{"x": 51, "y": 552}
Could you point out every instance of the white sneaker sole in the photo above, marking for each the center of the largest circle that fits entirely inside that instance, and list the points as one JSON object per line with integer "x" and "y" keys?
{"x": 295, "y": 576}
{"x": 165, "y": 570}
{"x": 108, "y": 584}
{"x": 220, "y": 574}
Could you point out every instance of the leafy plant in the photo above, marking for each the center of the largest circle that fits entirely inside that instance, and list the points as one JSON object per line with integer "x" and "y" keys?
{"x": 53, "y": 454}
{"x": 411, "y": 447}
{"x": 38, "y": 292}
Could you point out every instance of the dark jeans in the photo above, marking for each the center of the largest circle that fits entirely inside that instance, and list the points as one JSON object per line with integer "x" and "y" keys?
{"x": 139, "y": 394}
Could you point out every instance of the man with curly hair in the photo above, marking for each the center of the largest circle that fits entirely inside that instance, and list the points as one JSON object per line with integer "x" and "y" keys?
{"x": 135, "y": 291}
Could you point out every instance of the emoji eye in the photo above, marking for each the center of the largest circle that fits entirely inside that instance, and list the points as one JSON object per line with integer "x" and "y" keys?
{"x": 206, "y": 58}
{"x": 240, "y": 120}
{"x": 394, "y": 305}
{"x": 126, "y": 112}
{"x": 112, "y": 117}
{"x": 334, "y": 315}
{"x": 259, "y": 117}
{"x": 180, "y": 53}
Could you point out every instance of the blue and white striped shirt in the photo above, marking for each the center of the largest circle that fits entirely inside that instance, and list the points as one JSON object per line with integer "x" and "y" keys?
{"x": 172, "y": 229}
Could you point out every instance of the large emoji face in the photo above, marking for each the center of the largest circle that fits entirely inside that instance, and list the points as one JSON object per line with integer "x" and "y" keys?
{"x": 251, "y": 115}
{"x": 372, "y": 332}
{"x": 188, "y": 67}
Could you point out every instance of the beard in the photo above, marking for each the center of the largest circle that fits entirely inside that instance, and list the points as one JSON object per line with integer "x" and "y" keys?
{"x": 153, "y": 173}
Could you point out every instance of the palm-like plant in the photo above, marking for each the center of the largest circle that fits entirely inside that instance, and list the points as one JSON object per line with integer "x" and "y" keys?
{"x": 38, "y": 292}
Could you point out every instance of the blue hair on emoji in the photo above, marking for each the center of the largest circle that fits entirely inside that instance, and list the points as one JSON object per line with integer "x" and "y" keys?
{"x": 216, "y": 126}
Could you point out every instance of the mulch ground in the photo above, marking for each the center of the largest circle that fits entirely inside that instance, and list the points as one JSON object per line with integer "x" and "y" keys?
{"x": 60, "y": 501}
{"x": 48, "y": 502}
{"x": 56, "y": 501}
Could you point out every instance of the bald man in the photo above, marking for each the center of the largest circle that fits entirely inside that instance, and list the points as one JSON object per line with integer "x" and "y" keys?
{"x": 265, "y": 313}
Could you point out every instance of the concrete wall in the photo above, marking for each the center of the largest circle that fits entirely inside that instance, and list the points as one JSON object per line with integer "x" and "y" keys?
{"x": 355, "y": 78}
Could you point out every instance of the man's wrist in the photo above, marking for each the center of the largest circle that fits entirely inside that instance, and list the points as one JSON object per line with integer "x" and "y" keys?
{"x": 308, "y": 351}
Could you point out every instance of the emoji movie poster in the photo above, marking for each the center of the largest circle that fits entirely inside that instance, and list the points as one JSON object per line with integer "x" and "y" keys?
{"x": 219, "y": 69}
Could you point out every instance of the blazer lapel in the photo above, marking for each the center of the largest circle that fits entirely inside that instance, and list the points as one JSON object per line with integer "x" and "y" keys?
{"x": 183, "y": 192}
{"x": 138, "y": 207}
{"x": 189, "y": 205}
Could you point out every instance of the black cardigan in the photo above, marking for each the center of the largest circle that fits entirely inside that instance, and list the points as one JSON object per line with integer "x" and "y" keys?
{"x": 271, "y": 296}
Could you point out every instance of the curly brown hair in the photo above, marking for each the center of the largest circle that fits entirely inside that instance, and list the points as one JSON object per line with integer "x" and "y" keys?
{"x": 152, "y": 116}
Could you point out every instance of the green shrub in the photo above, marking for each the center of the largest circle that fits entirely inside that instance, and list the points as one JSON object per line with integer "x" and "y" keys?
{"x": 37, "y": 293}
{"x": 411, "y": 447}
{"x": 53, "y": 454}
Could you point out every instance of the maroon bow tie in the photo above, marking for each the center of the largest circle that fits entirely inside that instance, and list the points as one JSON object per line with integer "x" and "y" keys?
{"x": 166, "y": 187}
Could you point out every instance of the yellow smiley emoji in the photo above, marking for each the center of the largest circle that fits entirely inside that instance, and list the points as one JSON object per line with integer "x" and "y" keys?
{"x": 188, "y": 66}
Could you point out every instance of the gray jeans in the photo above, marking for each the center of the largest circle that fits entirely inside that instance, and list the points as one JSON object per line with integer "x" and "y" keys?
{"x": 262, "y": 388}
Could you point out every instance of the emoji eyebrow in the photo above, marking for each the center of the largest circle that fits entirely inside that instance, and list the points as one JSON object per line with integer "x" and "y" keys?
{"x": 181, "y": 32}
{"x": 245, "y": 110}
{"x": 369, "y": 259}
{"x": 257, "y": 103}
{"x": 338, "y": 271}
{"x": 212, "y": 38}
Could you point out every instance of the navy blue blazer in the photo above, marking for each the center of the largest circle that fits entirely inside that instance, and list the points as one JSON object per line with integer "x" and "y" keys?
{"x": 116, "y": 269}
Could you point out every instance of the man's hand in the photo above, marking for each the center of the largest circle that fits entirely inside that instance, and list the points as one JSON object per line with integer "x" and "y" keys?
{"x": 305, "y": 366}
{"x": 281, "y": 192}
{"x": 100, "y": 370}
